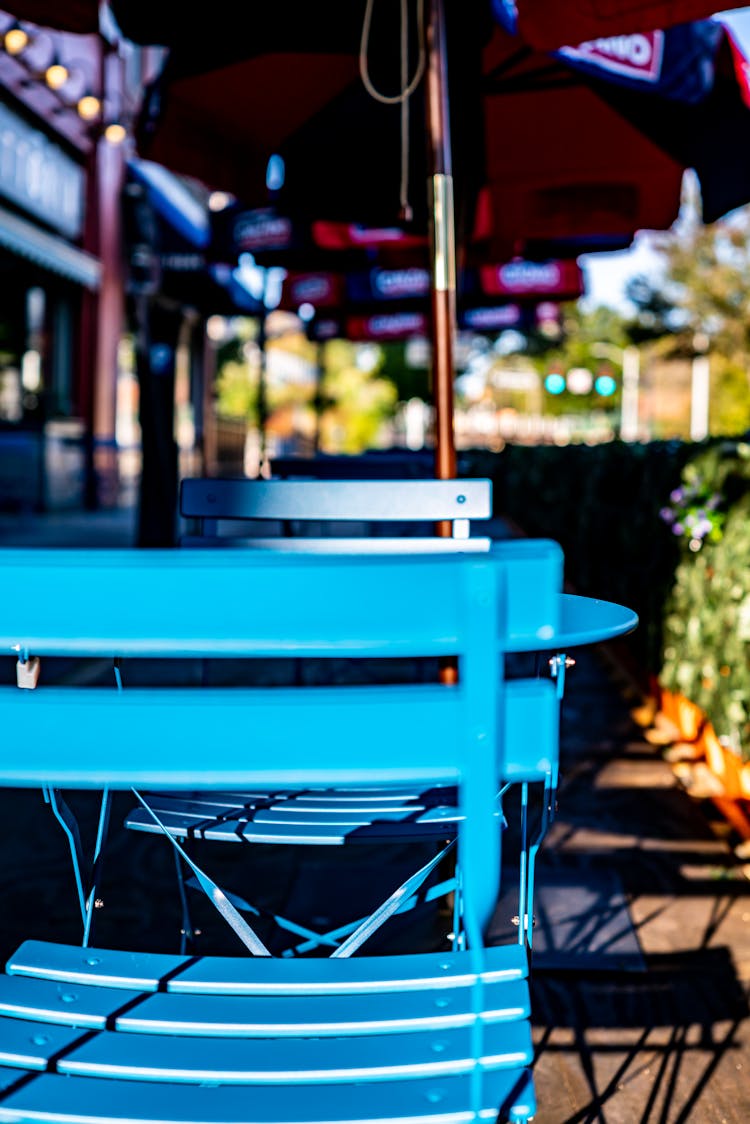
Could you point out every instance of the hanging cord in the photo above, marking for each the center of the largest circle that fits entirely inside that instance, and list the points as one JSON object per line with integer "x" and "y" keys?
{"x": 407, "y": 86}
{"x": 406, "y": 212}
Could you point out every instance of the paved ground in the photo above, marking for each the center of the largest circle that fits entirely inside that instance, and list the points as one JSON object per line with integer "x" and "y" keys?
{"x": 666, "y": 1041}
{"x": 642, "y": 964}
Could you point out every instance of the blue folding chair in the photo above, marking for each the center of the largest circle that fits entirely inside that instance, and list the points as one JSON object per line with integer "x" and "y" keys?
{"x": 103, "y": 1035}
{"x": 341, "y": 516}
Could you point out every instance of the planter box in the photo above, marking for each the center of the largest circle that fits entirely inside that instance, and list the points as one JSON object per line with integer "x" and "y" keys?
{"x": 728, "y": 767}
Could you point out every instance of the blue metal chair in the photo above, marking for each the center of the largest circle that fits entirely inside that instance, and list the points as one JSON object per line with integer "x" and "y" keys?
{"x": 344, "y": 516}
{"x": 338, "y": 516}
{"x": 102, "y": 1034}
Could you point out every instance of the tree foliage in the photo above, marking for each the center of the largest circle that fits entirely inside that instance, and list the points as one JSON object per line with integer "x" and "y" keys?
{"x": 352, "y": 399}
{"x": 700, "y": 300}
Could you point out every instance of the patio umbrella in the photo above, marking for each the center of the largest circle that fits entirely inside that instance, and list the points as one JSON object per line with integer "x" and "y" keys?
{"x": 383, "y": 289}
{"x": 387, "y": 305}
{"x": 561, "y": 167}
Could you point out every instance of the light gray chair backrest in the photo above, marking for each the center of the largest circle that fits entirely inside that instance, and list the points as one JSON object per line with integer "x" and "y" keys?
{"x": 336, "y": 515}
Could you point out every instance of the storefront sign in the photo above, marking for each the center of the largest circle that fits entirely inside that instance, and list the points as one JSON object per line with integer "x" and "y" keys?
{"x": 376, "y": 285}
{"x": 321, "y": 290}
{"x": 389, "y": 326}
{"x": 493, "y": 319}
{"x": 38, "y": 176}
{"x": 262, "y": 229}
{"x": 519, "y": 279}
{"x": 634, "y": 56}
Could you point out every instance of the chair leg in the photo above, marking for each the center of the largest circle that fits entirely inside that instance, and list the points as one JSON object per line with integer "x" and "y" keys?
{"x": 65, "y": 817}
{"x": 187, "y": 932}
{"x": 92, "y": 901}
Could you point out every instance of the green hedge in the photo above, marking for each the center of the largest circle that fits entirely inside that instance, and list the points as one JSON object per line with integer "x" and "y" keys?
{"x": 707, "y": 615}
{"x": 663, "y": 528}
{"x": 601, "y": 503}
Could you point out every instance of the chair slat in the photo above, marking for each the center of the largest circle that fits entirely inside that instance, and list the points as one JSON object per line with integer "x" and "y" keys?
{"x": 59, "y": 1099}
{"x": 312, "y": 834}
{"x": 27, "y": 1045}
{"x": 355, "y": 545}
{"x": 135, "y": 971}
{"x": 527, "y": 751}
{"x": 220, "y": 975}
{"x": 320, "y": 1015}
{"x": 120, "y": 602}
{"x": 68, "y": 1004}
{"x": 267, "y": 1061}
{"x": 358, "y": 500}
{"x": 160, "y": 737}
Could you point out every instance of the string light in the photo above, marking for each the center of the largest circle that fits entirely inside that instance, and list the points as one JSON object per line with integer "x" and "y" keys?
{"x": 89, "y": 107}
{"x": 219, "y": 200}
{"x": 16, "y": 40}
{"x": 115, "y": 133}
{"x": 56, "y": 76}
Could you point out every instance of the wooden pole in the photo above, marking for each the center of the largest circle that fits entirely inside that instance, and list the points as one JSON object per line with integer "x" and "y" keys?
{"x": 443, "y": 244}
{"x": 443, "y": 265}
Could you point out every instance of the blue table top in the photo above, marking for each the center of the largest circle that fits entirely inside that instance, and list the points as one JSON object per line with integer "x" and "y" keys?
{"x": 586, "y": 620}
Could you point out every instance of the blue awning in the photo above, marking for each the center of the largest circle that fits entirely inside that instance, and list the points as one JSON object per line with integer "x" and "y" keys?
{"x": 48, "y": 250}
{"x": 173, "y": 202}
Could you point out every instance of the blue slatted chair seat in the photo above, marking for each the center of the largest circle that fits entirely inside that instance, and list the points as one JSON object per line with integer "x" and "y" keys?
{"x": 378, "y": 1038}
{"x": 326, "y": 817}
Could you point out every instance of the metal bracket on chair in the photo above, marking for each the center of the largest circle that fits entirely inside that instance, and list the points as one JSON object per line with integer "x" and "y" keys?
{"x": 558, "y": 665}
{"x": 27, "y": 669}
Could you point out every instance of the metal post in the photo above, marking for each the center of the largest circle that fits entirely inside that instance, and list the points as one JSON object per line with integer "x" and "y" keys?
{"x": 629, "y": 409}
{"x": 318, "y": 396}
{"x": 699, "y": 397}
{"x": 262, "y": 387}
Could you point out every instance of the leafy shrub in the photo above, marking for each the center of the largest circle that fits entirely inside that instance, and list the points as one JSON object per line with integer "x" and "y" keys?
{"x": 706, "y": 652}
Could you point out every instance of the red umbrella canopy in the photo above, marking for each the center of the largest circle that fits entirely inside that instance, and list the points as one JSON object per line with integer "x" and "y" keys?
{"x": 572, "y": 146}
{"x": 253, "y": 81}
{"x": 74, "y": 15}
{"x": 549, "y": 24}
{"x": 545, "y": 24}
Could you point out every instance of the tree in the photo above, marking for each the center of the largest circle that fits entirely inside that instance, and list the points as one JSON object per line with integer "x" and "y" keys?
{"x": 351, "y": 394}
{"x": 356, "y": 399}
{"x": 703, "y": 296}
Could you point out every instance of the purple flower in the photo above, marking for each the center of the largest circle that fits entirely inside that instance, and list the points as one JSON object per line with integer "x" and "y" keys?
{"x": 678, "y": 529}
{"x": 677, "y": 495}
{"x": 667, "y": 514}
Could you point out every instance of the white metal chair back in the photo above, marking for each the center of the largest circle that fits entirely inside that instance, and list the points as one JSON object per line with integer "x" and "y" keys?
{"x": 358, "y": 516}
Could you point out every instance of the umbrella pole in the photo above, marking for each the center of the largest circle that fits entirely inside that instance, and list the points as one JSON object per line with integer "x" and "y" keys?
{"x": 443, "y": 245}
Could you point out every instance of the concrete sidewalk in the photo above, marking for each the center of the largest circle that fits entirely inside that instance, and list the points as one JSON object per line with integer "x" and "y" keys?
{"x": 644, "y": 1019}
{"x": 115, "y": 527}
